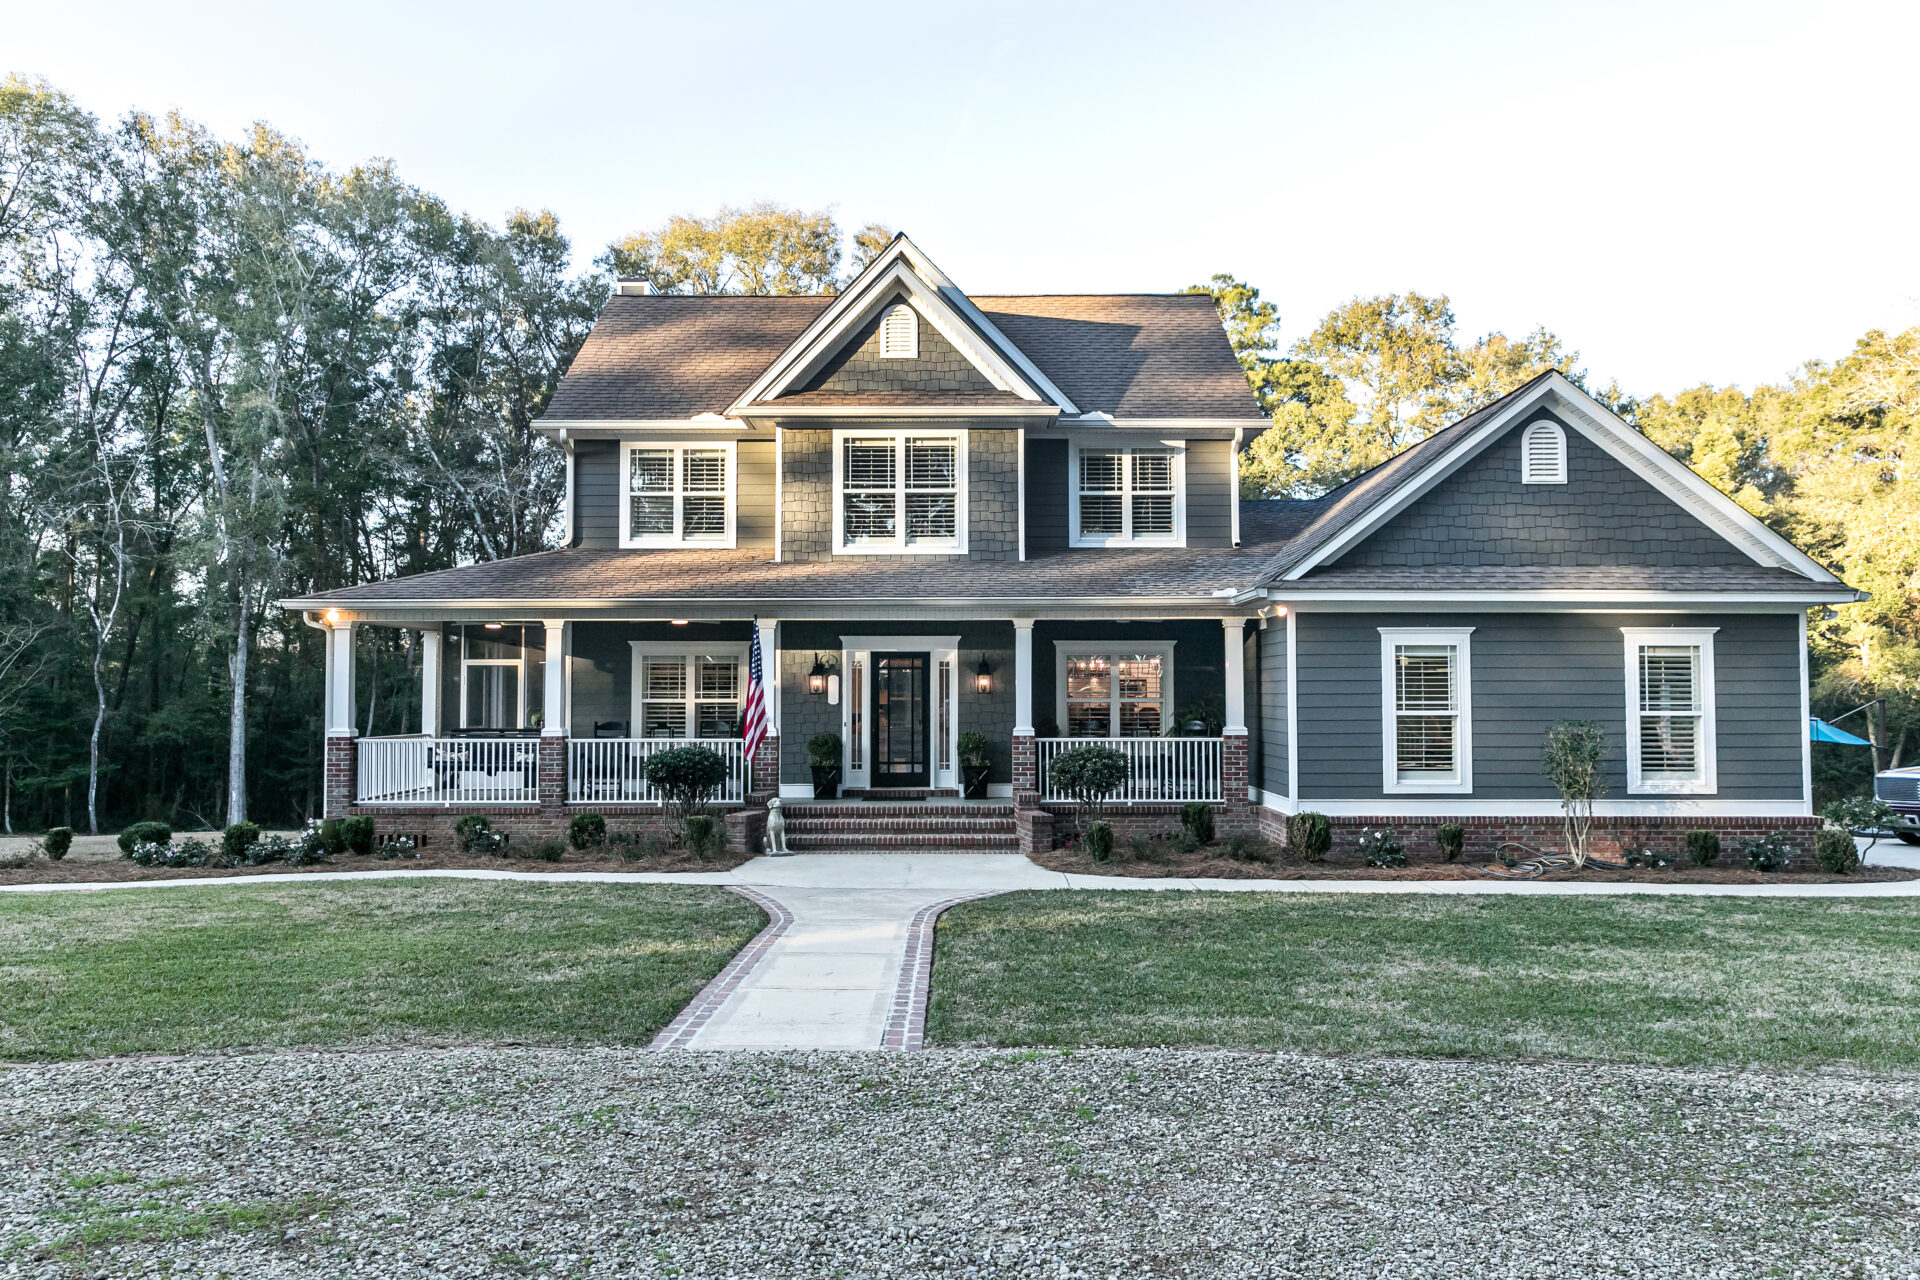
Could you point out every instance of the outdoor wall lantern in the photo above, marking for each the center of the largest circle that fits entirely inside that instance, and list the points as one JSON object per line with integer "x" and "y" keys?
{"x": 983, "y": 678}
{"x": 817, "y": 678}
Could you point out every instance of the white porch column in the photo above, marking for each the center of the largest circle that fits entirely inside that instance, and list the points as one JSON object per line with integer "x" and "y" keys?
{"x": 340, "y": 710}
{"x": 1236, "y": 675}
{"x": 770, "y": 672}
{"x": 553, "y": 720}
{"x": 430, "y": 682}
{"x": 1023, "y": 676}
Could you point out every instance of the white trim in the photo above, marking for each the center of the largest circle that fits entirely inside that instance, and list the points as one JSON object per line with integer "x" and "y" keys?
{"x": 1099, "y": 421}
{"x": 730, "y": 492}
{"x": 1234, "y": 485}
{"x": 1179, "y": 536}
{"x": 1556, "y": 473}
{"x": 1627, "y": 446}
{"x": 553, "y": 680}
{"x": 1020, "y": 488}
{"x": 1461, "y": 639}
{"x": 796, "y": 791}
{"x": 1707, "y": 781}
{"x": 1806, "y": 718}
{"x": 779, "y": 489}
{"x": 690, "y": 650}
{"x": 882, "y": 412}
{"x": 862, "y": 648}
{"x": 566, "y": 502}
{"x": 1023, "y": 677}
{"x": 519, "y": 663}
{"x": 1234, "y": 676}
{"x": 1449, "y": 808}
{"x": 1293, "y": 711}
{"x": 1064, "y": 649}
{"x": 1607, "y": 601}
{"x": 620, "y": 428}
{"x": 900, "y": 545}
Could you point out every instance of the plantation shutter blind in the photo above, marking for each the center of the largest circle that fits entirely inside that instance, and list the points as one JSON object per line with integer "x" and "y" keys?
{"x": 1426, "y": 712}
{"x": 1670, "y": 711}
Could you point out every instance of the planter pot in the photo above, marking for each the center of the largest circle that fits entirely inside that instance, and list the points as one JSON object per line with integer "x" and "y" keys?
{"x": 973, "y": 780}
{"x": 826, "y": 781}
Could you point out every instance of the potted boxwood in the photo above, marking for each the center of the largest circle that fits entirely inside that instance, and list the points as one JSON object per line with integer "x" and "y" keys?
{"x": 973, "y": 765}
{"x": 823, "y": 757}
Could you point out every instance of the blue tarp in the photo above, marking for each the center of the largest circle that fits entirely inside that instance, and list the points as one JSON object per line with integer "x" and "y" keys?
{"x": 1824, "y": 732}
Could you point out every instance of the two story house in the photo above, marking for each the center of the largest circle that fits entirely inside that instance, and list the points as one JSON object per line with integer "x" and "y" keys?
{"x": 1020, "y": 516}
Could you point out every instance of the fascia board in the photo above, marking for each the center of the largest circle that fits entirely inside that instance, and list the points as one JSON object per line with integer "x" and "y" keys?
{"x": 851, "y": 411}
{"x": 1785, "y": 601}
{"x": 794, "y": 607}
{"x": 593, "y": 428}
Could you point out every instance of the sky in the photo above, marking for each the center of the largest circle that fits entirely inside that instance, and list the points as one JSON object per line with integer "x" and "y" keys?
{"x": 1684, "y": 192}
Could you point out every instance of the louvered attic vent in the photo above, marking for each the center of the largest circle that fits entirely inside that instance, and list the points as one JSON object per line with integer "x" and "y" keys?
{"x": 1543, "y": 454}
{"x": 900, "y": 333}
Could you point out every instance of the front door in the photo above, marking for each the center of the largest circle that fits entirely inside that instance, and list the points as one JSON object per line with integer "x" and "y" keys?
{"x": 900, "y": 738}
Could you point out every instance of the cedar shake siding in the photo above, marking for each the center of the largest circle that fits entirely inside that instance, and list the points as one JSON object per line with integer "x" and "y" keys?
{"x": 993, "y": 487}
{"x": 860, "y": 366}
{"x": 1530, "y": 670}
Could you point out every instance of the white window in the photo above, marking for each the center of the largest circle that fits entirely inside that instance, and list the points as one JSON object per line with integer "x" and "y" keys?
{"x": 900, "y": 333}
{"x": 1670, "y": 731}
{"x": 495, "y": 672}
{"x": 899, "y": 491}
{"x": 677, "y": 495}
{"x": 688, "y": 692}
{"x": 1543, "y": 454}
{"x": 1113, "y": 690}
{"x": 1123, "y": 495}
{"x": 1426, "y": 695}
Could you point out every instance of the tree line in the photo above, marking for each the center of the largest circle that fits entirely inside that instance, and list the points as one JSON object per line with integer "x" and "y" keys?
{"x": 230, "y": 373}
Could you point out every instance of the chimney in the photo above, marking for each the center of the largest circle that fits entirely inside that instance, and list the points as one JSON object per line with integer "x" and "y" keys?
{"x": 629, "y": 288}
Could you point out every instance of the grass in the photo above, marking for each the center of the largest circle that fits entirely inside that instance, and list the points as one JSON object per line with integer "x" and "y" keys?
{"x": 340, "y": 965}
{"x": 1667, "y": 980}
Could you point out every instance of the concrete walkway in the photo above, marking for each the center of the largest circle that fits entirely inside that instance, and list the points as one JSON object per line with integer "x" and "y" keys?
{"x": 845, "y": 958}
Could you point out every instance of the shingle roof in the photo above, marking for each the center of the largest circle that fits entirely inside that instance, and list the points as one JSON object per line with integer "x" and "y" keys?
{"x": 1612, "y": 577}
{"x": 882, "y": 399}
{"x": 666, "y": 356}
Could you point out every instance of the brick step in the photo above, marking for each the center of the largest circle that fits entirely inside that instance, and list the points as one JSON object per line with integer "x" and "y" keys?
{"x": 882, "y": 812}
{"x": 920, "y": 826}
{"x": 985, "y": 851}
{"x": 901, "y": 842}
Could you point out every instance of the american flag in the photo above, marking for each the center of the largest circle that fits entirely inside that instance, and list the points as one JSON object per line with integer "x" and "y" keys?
{"x": 755, "y": 730}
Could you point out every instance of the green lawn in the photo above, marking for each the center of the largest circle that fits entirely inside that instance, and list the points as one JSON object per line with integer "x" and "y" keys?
{"x": 422, "y": 962}
{"x": 1797, "y": 983}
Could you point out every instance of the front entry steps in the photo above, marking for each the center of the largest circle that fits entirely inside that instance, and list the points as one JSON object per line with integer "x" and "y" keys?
{"x": 923, "y": 826}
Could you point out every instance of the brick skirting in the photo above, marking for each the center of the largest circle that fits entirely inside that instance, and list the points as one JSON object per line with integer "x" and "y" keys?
{"x": 1484, "y": 835}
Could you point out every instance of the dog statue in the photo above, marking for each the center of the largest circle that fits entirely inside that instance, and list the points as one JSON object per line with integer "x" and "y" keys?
{"x": 776, "y": 830}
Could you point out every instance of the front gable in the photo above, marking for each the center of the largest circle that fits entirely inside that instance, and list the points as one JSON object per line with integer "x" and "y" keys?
{"x": 1601, "y": 513}
{"x": 862, "y": 364}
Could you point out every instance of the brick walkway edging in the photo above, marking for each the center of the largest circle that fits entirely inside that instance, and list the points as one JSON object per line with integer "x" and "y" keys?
{"x": 907, "y": 1021}
{"x": 688, "y": 1023}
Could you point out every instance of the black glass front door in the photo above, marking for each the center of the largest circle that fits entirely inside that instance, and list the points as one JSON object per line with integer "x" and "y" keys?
{"x": 900, "y": 720}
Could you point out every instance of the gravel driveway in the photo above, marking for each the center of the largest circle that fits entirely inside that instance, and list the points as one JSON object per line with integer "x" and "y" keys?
{"x": 1114, "y": 1163}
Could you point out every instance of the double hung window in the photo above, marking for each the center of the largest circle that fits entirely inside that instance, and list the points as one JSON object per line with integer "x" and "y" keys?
{"x": 678, "y": 495}
{"x": 1670, "y": 722}
{"x": 1114, "y": 691}
{"x": 501, "y": 669}
{"x": 900, "y": 491}
{"x": 1126, "y": 494}
{"x": 688, "y": 694}
{"x": 1427, "y": 729}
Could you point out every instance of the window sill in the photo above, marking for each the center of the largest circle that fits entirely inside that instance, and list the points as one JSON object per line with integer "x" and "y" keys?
{"x": 676, "y": 544}
{"x": 1427, "y": 789}
{"x": 895, "y": 549}
{"x": 1141, "y": 544}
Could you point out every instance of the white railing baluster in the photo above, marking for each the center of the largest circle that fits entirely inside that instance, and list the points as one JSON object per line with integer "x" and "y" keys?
{"x": 613, "y": 770}
{"x": 1159, "y": 770}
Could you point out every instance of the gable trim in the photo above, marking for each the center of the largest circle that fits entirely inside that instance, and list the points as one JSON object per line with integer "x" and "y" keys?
{"x": 1667, "y": 474}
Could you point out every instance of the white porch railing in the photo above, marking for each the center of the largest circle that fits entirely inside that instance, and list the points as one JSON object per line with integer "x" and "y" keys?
{"x": 613, "y": 770}
{"x": 449, "y": 771}
{"x": 1159, "y": 770}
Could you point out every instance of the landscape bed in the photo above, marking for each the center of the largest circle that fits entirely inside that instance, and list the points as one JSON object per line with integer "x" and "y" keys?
{"x": 356, "y": 964}
{"x": 1644, "y": 979}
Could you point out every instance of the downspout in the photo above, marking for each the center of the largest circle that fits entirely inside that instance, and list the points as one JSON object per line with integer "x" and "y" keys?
{"x": 1238, "y": 432}
{"x": 1020, "y": 488}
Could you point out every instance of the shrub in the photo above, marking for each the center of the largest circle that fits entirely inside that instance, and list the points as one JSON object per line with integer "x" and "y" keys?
{"x": 689, "y": 778}
{"x": 188, "y": 853}
{"x": 57, "y": 841}
{"x": 703, "y": 834}
{"x": 1702, "y": 848}
{"x": 1309, "y": 836}
{"x": 1097, "y": 838}
{"x": 1571, "y": 760}
{"x": 1382, "y": 848}
{"x": 475, "y": 834}
{"x": 584, "y": 830}
{"x": 1245, "y": 848}
{"x": 1197, "y": 818}
{"x": 358, "y": 834}
{"x": 629, "y": 847}
{"x": 1835, "y": 851}
{"x": 548, "y": 851}
{"x": 397, "y": 847}
{"x": 238, "y": 838}
{"x": 144, "y": 833}
{"x": 1867, "y": 815}
{"x": 973, "y": 748}
{"x": 1452, "y": 838}
{"x": 1770, "y": 852}
{"x": 823, "y": 751}
{"x": 1184, "y": 841}
{"x": 266, "y": 849}
{"x": 333, "y": 837}
{"x": 1088, "y": 776}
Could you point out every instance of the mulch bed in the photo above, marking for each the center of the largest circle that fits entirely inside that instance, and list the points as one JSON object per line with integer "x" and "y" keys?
{"x": 1212, "y": 862}
{"x": 73, "y": 870}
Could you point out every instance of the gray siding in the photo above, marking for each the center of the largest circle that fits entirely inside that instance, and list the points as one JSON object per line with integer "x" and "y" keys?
{"x": 993, "y": 488}
{"x": 860, "y": 366}
{"x": 1603, "y": 515}
{"x": 600, "y": 663}
{"x": 1250, "y": 699}
{"x": 753, "y": 489}
{"x": 1530, "y": 670}
{"x": 1209, "y": 493}
{"x": 596, "y": 493}
{"x": 1046, "y": 496}
{"x": 1199, "y": 660}
{"x": 1271, "y": 669}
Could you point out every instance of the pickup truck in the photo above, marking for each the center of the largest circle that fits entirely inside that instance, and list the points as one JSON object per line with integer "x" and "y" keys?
{"x": 1900, "y": 788}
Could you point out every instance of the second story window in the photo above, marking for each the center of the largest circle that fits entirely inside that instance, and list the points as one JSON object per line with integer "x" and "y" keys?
{"x": 900, "y": 491}
{"x": 678, "y": 495}
{"x": 1127, "y": 495}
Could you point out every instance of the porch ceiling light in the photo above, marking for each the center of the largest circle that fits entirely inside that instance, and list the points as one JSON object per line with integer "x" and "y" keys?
{"x": 817, "y": 678}
{"x": 983, "y": 678}
{"x": 493, "y": 626}
{"x": 333, "y": 615}
{"x": 678, "y": 622}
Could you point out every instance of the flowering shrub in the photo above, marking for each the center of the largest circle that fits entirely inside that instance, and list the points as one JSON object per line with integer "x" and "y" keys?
{"x": 397, "y": 847}
{"x": 1382, "y": 848}
{"x": 188, "y": 853}
{"x": 1770, "y": 852}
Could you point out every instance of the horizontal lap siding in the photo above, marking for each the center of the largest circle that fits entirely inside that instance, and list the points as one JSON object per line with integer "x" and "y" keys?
{"x": 1209, "y": 493}
{"x": 754, "y": 519}
{"x": 1272, "y": 670}
{"x": 596, "y": 493}
{"x": 1046, "y": 496}
{"x": 1532, "y": 670}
